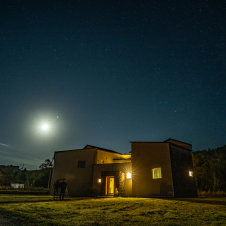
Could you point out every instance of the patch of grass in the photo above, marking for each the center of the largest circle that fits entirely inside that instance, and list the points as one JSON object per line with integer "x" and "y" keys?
{"x": 121, "y": 211}
{"x": 21, "y": 198}
{"x": 12, "y": 198}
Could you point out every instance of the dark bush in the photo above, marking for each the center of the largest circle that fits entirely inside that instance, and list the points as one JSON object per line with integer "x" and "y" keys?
{"x": 92, "y": 191}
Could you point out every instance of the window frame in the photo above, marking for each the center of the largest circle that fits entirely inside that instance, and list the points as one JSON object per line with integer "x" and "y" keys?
{"x": 81, "y": 162}
{"x": 154, "y": 175}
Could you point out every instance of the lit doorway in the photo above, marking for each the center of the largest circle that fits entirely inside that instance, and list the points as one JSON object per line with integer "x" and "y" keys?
{"x": 110, "y": 185}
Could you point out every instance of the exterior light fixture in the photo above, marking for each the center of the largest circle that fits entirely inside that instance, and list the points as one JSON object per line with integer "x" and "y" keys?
{"x": 128, "y": 176}
{"x": 190, "y": 174}
{"x": 99, "y": 180}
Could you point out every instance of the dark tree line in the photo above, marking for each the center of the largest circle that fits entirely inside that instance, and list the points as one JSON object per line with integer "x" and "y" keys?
{"x": 30, "y": 178}
{"x": 210, "y": 169}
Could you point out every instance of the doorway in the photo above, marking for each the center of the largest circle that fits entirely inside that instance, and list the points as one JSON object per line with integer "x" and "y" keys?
{"x": 110, "y": 185}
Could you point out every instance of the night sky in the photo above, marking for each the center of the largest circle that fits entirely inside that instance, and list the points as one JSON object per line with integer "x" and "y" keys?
{"x": 106, "y": 73}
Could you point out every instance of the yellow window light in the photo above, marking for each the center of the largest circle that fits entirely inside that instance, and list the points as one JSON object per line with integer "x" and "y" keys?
{"x": 128, "y": 176}
{"x": 99, "y": 180}
{"x": 156, "y": 173}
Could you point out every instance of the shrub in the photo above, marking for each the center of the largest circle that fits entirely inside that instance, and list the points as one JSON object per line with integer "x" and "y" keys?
{"x": 92, "y": 191}
{"x": 116, "y": 191}
{"x": 211, "y": 193}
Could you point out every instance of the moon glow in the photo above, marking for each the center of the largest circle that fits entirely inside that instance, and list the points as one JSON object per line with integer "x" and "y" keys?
{"x": 45, "y": 127}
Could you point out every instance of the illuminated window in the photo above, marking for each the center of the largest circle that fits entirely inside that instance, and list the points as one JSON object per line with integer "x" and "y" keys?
{"x": 156, "y": 173}
{"x": 128, "y": 176}
{"x": 190, "y": 174}
{"x": 99, "y": 180}
{"x": 81, "y": 164}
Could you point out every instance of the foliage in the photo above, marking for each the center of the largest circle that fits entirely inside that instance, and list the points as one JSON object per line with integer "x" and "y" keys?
{"x": 42, "y": 179}
{"x": 30, "y": 178}
{"x": 211, "y": 194}
{"x": 210, "y": 169}
{"x": 116, "y": 191}
{"x": 46, "y": 165}
{"x": 120, "y": 211}
{"x": 92, "y": 191}
{"x": 1, "y": 177}
{"x": 8, "y": 176}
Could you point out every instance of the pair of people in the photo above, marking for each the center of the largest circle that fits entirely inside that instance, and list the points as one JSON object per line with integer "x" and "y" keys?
{"x": 63, "y": 186}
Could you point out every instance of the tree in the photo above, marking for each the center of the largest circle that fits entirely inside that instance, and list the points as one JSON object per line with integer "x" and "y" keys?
{"x": 46, "y": 165}
{"x": 210, "y": 169}
{"x": 1, "y": 177}
{"x": 44, "y": 178}
{"x": 8, "y": 176}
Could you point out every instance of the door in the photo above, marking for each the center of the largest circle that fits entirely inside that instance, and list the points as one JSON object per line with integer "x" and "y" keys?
{"x": 110, "y": 185}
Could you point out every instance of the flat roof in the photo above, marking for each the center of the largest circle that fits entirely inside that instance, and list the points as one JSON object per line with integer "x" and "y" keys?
{"x": 69, "y": 150}
{"x": 147, "y": 142}
{"x": 103, "y": 149}
{"x": 177, "y": 141}
{"x": 164, "y": 142}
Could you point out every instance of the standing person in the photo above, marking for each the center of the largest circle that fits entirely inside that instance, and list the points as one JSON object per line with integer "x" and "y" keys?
{"x": 55, "y": 189}
{"x": 63, "y": 186}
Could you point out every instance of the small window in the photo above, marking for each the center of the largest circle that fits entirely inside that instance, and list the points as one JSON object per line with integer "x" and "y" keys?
{"x": 190, "y": 174}
{"x": 81, "y": 164}
{"x": 156, "y": 173}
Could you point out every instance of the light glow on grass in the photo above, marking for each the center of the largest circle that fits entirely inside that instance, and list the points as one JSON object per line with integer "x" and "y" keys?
{"x": 120, "y": 211}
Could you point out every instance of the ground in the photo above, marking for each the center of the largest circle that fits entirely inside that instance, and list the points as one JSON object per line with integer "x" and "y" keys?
{"x": 43, "y": 210}
{"x": 12, "y": 221}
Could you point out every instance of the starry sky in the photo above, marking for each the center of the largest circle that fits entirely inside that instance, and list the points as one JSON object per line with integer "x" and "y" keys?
{"x": 105, "y": 73}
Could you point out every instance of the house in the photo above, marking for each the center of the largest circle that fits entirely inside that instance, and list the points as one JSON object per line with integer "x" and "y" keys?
{"x": 17, "y": 185}
{"x": 162, "y": 169}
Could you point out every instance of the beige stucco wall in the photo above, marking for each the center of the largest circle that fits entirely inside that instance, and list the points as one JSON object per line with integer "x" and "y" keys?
{"x": 106, "y": 156}
{"x": 77, "y": 179}
{"x": 145, "y": 157}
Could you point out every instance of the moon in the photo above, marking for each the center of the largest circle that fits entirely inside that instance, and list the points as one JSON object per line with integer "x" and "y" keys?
{"x": 45, "y": 127}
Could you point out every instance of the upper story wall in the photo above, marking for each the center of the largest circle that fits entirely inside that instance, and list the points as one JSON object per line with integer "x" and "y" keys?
{"x": 182, "y": 164}
{"x": 105, "y": 157}
{"x": 66, "y": 167}
{"x": 179, "y": 143}
{"x": 145, "y": 157}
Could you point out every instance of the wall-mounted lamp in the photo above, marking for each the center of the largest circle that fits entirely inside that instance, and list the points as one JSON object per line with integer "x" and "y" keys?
{"x": 128, "y": 176}
{"x": 99, "y": 180}
{"x": 190, "y": 174}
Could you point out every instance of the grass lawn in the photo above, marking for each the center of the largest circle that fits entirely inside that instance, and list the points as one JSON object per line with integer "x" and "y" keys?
{"x": 12, "y": 198}
{"x": 116, "y": 211}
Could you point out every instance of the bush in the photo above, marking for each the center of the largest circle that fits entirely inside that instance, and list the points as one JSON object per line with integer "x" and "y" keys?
{"x": 92, "y": 191}
{"x": 116, "y": 192}
{"x": 211, "y": 193}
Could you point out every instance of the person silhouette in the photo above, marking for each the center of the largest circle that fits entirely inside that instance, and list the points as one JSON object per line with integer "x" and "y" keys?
{"x": 55, "y": 189}
{"x": 63, "y": 186}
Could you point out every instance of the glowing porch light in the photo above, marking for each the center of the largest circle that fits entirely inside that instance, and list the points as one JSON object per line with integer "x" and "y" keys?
{"x": 99, "y": 180}
{"x": 190, "y": 174}
{"x": 128, "y": 176}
